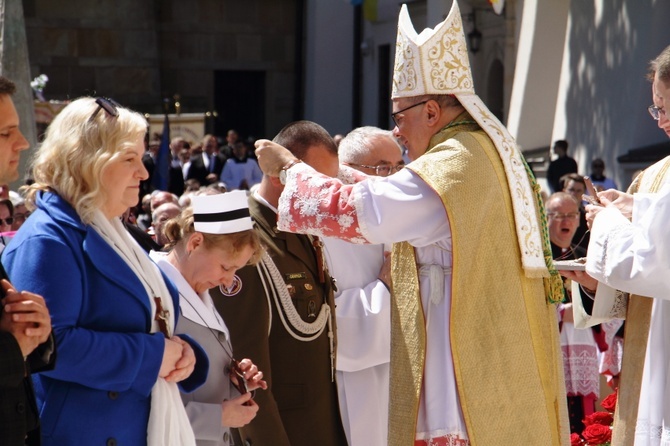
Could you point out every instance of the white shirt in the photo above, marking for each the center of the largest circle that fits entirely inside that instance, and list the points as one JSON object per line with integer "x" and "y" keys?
{"x": 363, "y": 310}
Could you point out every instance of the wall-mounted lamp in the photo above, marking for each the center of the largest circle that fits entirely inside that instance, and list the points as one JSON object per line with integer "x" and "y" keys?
{"x": 474, "y": 36}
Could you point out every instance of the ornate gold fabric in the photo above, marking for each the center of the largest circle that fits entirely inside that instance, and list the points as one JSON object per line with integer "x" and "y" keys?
{"x": 504, "y": 335}
{"x": 408, "y": 346}
{"x": 435, "y": 62}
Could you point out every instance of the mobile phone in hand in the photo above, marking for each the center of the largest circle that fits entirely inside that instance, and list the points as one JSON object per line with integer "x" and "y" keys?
{"x": 593, "y": 194}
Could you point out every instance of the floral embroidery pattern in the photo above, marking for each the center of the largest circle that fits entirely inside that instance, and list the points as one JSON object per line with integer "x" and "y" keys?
{"x": 319, "y": 205}
{"x": 444, "y": 440}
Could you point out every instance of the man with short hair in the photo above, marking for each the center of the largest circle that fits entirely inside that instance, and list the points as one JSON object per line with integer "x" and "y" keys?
{"x": 162, "y": 197}
{"x": 26, "y": 344}
{"x": 206, "y": 166}
{"x": 563, "y": 220}
{"x": 282, "y": 315}
{"x": 149, "y": 161}
{"x": 600, "y": 181}
{"x": 160, "y": 216}
{"x": 175, "y": 168}
{"x": 562, "y": 165}
{"x": 232, "y": 137}
{"x": 363, "y": 301}
{"x": 474, "y": 333}
{"x": 371, "y": 150}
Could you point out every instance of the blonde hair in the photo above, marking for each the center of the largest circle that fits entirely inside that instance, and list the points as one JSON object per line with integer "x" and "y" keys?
{"x": 178, "y": 229}
{"x": 80, "y": 143}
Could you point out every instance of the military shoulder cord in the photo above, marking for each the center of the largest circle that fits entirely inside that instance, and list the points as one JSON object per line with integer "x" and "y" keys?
{"x": 295, "y": 326}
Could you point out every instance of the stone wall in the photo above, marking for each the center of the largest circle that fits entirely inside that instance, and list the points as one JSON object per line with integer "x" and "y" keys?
{"x": 140, "y": 51}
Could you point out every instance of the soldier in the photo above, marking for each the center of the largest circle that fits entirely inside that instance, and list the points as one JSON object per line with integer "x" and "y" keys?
{"x": 283, "y": 316}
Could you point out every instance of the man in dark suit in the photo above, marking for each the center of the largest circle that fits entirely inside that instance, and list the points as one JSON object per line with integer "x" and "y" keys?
{"x": 206, "y": 167}
{"x": 148, "y": 159}
{"x": 175, "y": 171}
{"x": 562, "y": 165}
{"x": 282, "y": 315}
{"x": 26, "y": 344}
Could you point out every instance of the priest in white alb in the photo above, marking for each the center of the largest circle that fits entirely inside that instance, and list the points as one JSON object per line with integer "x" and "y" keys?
{"x": 629, "y": 251}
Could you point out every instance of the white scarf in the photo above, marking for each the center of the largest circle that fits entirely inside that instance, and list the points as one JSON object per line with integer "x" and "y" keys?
{"x": 168, "y": 422}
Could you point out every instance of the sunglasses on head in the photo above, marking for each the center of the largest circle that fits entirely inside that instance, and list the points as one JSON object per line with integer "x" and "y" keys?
{"x": 110, "y": 106}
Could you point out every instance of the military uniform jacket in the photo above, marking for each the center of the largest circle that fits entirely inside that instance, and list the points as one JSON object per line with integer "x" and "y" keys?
{"x": 300, "y": 406}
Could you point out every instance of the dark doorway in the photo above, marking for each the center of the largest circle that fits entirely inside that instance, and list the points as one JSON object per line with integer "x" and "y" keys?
{"x": 495, "y": 89}
{"x": 384, "y": 86}
{"x": 239, "y": 100}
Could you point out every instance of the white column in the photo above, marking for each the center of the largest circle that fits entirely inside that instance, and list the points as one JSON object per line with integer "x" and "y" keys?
{"x": 537, "y": 72}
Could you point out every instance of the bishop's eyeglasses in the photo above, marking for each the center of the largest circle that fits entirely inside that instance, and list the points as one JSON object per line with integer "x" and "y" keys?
{"x": 395, "y": 114}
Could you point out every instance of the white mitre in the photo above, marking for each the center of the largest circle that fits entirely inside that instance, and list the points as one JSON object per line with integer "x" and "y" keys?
{"x": 433, "y": 62}
{"x": 436, "y": 62}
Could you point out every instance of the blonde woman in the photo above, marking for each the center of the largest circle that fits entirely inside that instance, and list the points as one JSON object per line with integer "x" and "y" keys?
{"x": 208, "y": 243}
{"x": 112, "y": 310}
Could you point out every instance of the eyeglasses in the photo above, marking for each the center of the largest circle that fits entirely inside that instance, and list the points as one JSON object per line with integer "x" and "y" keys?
{"x": 561, "y": 216}
{"x": 108, "y": 105}
{"x": 382, "y": 170}
{"x": 6, "y": 221}
{"x": 393, "y": 115}
{"x": 656, "y": 112}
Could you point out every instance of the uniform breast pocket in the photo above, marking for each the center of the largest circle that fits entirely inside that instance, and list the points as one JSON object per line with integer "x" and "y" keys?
{"x": 304, "y": 295}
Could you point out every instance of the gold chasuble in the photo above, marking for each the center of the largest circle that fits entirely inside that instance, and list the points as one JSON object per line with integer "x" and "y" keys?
{"x": 504, "y": 334}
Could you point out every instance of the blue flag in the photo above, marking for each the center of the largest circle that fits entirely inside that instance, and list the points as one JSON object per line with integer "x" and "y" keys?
{"x": 162, "y": 162}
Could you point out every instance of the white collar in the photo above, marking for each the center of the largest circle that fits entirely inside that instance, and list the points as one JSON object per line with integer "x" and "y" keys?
{"x": 263, "y": 201}
{"x": 199, "y": 309}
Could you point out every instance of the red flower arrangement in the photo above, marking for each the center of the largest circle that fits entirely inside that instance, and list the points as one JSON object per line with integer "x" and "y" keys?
{"x": 598, "y": 426}
{"x": 609, "y": 403}
{"x": 602, "y": 418}
{"x": 597, "y": 435}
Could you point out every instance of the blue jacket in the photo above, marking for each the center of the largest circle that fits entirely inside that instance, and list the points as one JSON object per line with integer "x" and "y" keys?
{"x": 108, "y": 361}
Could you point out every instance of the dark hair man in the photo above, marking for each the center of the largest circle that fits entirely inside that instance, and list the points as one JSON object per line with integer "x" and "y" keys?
{"x": 26, "y": 344}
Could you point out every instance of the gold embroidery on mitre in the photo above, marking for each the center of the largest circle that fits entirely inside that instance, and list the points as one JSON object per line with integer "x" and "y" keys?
{"x": 405, "y": 73}
{"x": 434, "y": 62}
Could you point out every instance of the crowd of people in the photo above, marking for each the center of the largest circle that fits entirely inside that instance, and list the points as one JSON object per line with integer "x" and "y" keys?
{"x": 319, "y": 290}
